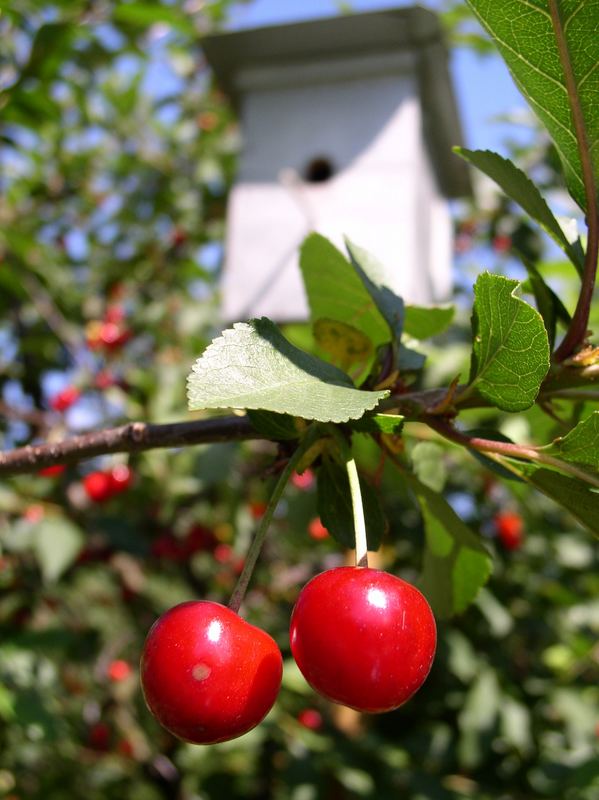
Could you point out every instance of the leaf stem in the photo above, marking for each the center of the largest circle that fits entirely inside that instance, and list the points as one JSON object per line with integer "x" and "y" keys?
{"x": 358, "y": 510}
{"x": 577, "y": 330}
{"x": 255, "y": 547}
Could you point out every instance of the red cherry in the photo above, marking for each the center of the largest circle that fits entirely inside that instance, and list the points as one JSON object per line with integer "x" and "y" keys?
{"x": 98, "y": 736}
{"x": 65, "y": 399}
{"x": 310, "y": 718}
{"x": 105, "y": 379}
{"x": 52, "y": 472}
{"x": 207, "y": 120}
{"x": 510, "y": 529}
{"x": 501, "y": 244}
{"x": 304, "y": 481}
{"x": 121, "y": 477}
{"x": 258, "y": 508}
{"x": 119, "y": 670}
{"x": 178, "y": 237}
{"x": 114, "y": 314}
{"x": 223, "y": 553}
{"x": 113, "y": 335}
{"x": 168, "y": 548}
{"x": 208, "y": 675}
{"x": 363, "y": 637}
{"x": 34, "y": 513}
{"x": 199, "y": 538}
{"x": 125, "y": 748}
{"x": 98, "y": 486}
{"x": 317, "y": 530}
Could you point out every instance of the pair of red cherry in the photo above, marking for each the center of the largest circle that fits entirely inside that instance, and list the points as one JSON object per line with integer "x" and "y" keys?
{"x": 360, "y": 636}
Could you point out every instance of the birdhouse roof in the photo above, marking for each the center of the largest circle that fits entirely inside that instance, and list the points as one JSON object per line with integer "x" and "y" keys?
{"x": 346, "y": 39}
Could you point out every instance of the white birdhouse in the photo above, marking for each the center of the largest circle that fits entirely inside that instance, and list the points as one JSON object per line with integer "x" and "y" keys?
{"x": 347, "y": 125}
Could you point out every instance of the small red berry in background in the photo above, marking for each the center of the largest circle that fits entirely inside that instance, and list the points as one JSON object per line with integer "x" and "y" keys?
{"x": 98, "y": 737}
{"x": 363, "y": 638}
{"x": 65, "y": 399}
{"x": 105, "y": 379}
{"x": 317, "y": 530}
{"x": 102, "y": 485}
{"x": 199, "y": 538}
{"x": 310, "y": 718}
{"x": 119, "y": 670}
{"x": 114, "y": 314}
{"x": 208, "y": 675}
{"x": 258, "y": 508}
{"x": 98, "y": 486}
{"x": 501, "y": 244}
{"x": 53, "y": 471}
{"x": 178, "y": 237}
{"x": 207, "y": 120}
{"x": 462, "y": 243}
{"x": 168, "y": 548}
{"x": 223, "y": 553}
{"x": 114, "y": 335}
{"x": 125, "y": 748}
{"x": 121, "y": 478}
{"x": 510, "y": 529}
{"x": 34, "y": 513}
{"x": 304, "y": 481}
{"x": 103, "y": 334}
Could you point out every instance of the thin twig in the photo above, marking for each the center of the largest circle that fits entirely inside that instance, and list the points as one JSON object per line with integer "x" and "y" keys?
{"x": 131, "y": 438}
{"x": 53, "y": 317}
{"x": 512, "y": 450}
{"x": 34, "y": 417}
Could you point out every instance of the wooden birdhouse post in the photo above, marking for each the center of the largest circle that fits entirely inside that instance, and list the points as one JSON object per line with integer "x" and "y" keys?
{"x": 348, "y": 125}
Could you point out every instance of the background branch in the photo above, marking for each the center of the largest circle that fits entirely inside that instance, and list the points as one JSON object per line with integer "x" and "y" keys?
{"x": 131, "y": 438}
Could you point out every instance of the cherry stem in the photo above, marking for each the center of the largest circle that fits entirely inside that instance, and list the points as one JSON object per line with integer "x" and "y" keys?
{"x": 358, "y": 509}
{"x": 255, "y": 547}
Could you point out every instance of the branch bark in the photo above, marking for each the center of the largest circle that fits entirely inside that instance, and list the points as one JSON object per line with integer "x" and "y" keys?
{"x": 577, "y": 332}
{"x": 131, "y": 438}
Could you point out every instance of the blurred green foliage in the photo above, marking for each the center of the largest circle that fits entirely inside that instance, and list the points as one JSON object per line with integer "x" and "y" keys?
{"x": 113, "y": 195}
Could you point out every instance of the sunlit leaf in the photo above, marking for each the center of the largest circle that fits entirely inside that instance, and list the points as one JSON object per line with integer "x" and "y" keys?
{"x": 510, "y": 352}
{"x": 253, "y": 366}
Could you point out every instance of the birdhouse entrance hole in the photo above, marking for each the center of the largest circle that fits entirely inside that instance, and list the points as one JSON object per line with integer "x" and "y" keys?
{"x": 319, "y": 170}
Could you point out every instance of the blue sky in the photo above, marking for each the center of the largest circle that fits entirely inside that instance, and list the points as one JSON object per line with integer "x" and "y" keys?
{"x": 484, "y": 87}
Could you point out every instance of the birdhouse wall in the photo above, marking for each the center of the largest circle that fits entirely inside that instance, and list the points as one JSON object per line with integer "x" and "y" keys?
{"x": 381, "y": 193}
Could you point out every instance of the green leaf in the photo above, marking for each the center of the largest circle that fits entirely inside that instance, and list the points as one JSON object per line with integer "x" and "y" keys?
{"x": 581, "y": 445}
{"x": 427, "y": 460}
{"x": 145, "y": 15}
{"x": 253, "y": 366}
{"x": 510, "y": 353}
{"x": 275, "y": 426}
{"x": 518, "y": 186}
{"x": 421, "y": 322}
{"x": 57, "y": 543}
{"x": 526, "y": 38}
{"x": 577, "y": 497}
{"x": 346, "y": 344}
{"x": 456, "y": 564}
{"x": 372, "y": 275}
{"x": 409, "y": 360}
{"x": 335, "y": 291}
{"x": 379, "y": 423}
{"x": 335, "y": 506}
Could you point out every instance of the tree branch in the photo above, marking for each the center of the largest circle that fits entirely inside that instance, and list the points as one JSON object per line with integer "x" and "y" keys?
{"x": 511, "y": 450}
{"x": 131, "y": 438}
{"x": 577, "y": 332}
